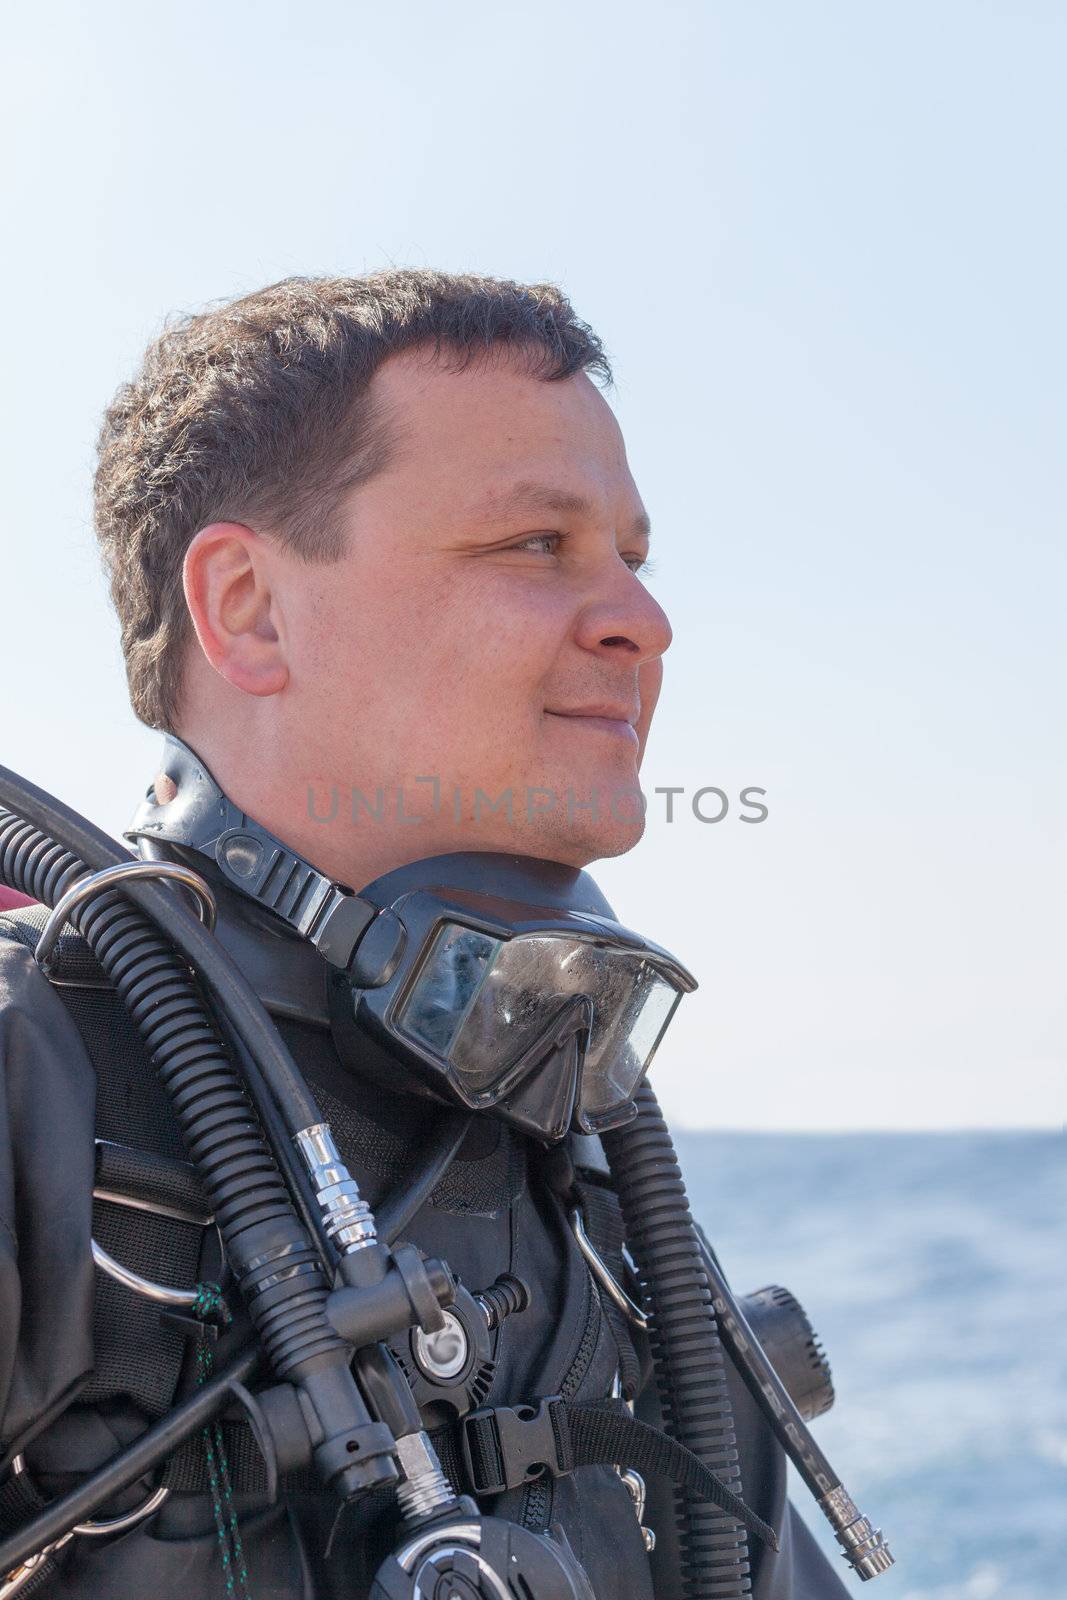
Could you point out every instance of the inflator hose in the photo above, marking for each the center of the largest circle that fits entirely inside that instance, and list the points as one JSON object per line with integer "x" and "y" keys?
{"x": 273, "y": 1258}
{"x": 686, "y": 1350}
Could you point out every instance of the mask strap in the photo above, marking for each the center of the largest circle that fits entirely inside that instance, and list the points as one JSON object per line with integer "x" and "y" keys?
{"x": 185, "y": 806}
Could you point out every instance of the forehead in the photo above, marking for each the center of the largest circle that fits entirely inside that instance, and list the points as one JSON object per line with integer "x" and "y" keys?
{"x": 493, "y": 423}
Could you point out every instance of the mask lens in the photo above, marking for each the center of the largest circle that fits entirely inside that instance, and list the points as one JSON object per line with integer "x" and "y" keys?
{"x": 447, "y": 987}
{"x": 480, "y": 1003}
{"x": 624, "y": 1038}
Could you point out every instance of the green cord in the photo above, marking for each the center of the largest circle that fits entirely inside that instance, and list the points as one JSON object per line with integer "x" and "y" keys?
{"x": 209, "y": 1306}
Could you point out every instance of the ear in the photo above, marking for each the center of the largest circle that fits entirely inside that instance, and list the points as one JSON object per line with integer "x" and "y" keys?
{"x": 235, "y": 607}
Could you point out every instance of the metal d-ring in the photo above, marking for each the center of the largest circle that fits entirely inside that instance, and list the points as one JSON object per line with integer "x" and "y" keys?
{"x": 13, "y": 1582}
{"x": 106, "y": 879}
{"x": 599, "y": 1268}
{"x": 162, "y": 1293}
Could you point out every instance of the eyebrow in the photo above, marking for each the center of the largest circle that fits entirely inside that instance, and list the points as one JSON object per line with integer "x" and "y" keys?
{"x": 547, "y": 497}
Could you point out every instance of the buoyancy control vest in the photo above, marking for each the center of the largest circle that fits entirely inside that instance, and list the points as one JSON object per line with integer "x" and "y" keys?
{"x": 89, "y": 1362}
{"x": 491, "y": 1213}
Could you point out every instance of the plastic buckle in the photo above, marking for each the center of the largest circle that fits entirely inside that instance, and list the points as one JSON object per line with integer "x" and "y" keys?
{"x": 504, "y": 1447}
{"x": 190, "y": 1327}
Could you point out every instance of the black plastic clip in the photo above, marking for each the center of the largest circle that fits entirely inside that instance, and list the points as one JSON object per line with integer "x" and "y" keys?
{"x": 506, "y": 1446}
{"x": 190, "y": 1327}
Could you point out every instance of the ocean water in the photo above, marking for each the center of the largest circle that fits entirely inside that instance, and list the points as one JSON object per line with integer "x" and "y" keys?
{"x": 933, "y": 1269}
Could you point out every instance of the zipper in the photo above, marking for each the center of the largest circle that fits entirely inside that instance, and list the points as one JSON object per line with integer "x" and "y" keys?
{"x": 537, "y": 1502}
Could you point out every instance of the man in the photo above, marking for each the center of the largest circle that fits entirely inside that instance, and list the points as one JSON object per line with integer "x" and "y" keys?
{"x": 376, "y": 554}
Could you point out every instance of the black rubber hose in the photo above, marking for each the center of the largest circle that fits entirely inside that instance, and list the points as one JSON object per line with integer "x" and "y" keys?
{"x": 431, "y": 1163}
{"x": 293, "y": 1170}
{"x": 686, "y": 1349}
{"x": 275, "y": 1262}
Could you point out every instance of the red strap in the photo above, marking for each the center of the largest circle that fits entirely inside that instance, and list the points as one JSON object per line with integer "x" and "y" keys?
{"x": 10, "y": 899}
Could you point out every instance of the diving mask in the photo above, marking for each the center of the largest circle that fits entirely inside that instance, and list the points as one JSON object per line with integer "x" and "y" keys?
{"x": 528, "y": 999}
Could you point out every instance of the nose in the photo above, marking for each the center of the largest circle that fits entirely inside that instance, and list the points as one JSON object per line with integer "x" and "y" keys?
{"x": 622, "y": 622}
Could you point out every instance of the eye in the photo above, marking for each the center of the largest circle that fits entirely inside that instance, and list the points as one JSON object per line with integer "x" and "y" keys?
{"x": 543, "y": 543}
{"x": 640, "y": 566}
{"x": 549, "y": 544}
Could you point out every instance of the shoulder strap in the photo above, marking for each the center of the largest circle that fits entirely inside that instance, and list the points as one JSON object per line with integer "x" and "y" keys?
{"x": 603, "y": 1224}
{"x": 73, "y": 962}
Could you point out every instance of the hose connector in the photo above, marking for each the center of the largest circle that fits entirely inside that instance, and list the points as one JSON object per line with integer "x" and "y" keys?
{"x": 865, "y": 1550}
{"x": 502, "y": 1299}
{"x": 349, "y": 1219}
{"x": 423, "y": 1490}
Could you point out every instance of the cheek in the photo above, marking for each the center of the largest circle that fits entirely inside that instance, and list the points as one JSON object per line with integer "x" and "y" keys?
{"x": 503, "y": 637}
{"x": 356, "y": 641}
{"x": 459, "y": 654}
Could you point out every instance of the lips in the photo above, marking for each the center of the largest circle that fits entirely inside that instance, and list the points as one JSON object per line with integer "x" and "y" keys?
{"x": 617, "y": 720}
{"x": 604, "y": 713}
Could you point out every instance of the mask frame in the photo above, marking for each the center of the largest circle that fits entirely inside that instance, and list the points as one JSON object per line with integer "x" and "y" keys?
{"x": 541, "y": 1085}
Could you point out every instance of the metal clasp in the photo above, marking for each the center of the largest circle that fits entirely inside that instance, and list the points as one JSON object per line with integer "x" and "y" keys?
{"x": 162, "y": 1293}
{"x": 16, "y": 1580}
{"x": 107, "y": 878}
{"x": 599, "y": 1268}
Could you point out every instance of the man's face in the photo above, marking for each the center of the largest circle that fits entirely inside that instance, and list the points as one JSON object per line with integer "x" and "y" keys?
{"x": 486, "y": 640}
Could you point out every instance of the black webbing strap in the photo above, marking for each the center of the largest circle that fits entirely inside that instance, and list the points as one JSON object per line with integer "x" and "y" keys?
{"x": 603, "y": 1224}
{"x": 599, "y": 1434}
{"x": 150, "y": 1182}
{"x": 185, "y": 1471}
{"x": 502, "y": 1447}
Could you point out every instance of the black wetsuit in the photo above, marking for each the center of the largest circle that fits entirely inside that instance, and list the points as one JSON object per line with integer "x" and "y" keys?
{"x": 85, "y": 1364}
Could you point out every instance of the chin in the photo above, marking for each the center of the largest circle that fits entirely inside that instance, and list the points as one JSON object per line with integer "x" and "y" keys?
{"x": 574, "y": 832}
{"x": 584, "y": 841}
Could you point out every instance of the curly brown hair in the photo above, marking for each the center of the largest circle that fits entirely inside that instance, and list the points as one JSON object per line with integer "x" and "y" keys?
{"x": 257, "y": 410}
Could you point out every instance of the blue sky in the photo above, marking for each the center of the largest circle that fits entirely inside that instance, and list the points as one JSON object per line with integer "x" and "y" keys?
{"x": 825, "y": 247}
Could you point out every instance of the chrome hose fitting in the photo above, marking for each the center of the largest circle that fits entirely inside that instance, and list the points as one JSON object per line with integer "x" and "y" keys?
{"x": 865, "y": 1550}
{"x": 424, "y": 1488}
{"x": 502, "y": 1299}
{"x": 349, "y": 1219}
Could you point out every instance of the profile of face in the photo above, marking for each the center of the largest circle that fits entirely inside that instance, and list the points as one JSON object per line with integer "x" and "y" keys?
{"x": 480, "y": 667}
